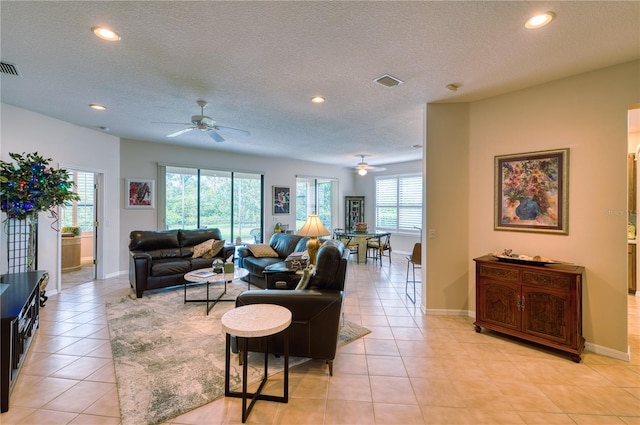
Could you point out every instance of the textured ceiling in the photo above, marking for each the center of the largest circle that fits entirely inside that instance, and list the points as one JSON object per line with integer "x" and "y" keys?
{"x": 259, "y": 63}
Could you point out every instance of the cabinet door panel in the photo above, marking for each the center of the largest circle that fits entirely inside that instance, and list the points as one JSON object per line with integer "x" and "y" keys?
{"x": 547, "y": 314}
{"x": 499, "y": 304}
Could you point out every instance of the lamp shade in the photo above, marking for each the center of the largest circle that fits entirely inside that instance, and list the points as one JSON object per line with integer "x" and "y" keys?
{"x": 313, "y": 227}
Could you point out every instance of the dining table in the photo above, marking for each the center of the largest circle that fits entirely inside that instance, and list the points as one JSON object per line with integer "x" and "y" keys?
{"x": 361, "y": 238}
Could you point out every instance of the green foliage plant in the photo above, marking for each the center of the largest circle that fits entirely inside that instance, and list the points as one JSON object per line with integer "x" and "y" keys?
{"x": 31, "y": 185}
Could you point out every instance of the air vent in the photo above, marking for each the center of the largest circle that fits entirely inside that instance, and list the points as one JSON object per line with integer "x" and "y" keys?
{"x": 388, "y": 81}
{"x": 10, "y": 69}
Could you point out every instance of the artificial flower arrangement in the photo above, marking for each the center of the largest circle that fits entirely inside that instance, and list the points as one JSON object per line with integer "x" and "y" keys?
{"x": 30, "y": 186}
{"x": 360, "y": 226}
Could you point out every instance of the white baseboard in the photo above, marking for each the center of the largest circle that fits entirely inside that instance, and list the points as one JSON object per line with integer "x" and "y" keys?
{"x": 116, "y": 274}
{"x": 445, "y": 312}
{"x": 608, "y": 352}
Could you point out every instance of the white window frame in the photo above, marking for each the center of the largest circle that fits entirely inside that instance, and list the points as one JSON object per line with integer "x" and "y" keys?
{"x": 408, "y": 210}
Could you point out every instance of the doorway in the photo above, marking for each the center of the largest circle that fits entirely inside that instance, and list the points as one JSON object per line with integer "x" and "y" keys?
{"x": 78, "y": 230}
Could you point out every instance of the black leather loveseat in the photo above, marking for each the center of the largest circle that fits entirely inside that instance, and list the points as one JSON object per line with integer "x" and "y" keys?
{"x": 283, "y": 244}
{"x": 316, "y": 310}
{"x": 161, "y": 258}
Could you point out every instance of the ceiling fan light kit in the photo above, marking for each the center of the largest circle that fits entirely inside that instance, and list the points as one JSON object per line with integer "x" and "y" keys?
{"x": 362, "y": 168}
{"x": 207, "y": 124}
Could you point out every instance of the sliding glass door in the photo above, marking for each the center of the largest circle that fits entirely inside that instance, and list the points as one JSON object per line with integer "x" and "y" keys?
{"x": 202, "y": 198}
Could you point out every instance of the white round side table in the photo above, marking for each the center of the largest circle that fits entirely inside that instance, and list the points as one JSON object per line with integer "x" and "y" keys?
{"x": 255, "y": 321}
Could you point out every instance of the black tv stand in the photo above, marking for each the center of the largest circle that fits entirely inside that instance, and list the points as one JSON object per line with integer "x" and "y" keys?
{"x": 20, "y": 310}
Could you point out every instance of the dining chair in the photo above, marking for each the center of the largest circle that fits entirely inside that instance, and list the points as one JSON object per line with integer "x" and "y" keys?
{"x": 377, "y": 245}
{"x": 415, "y": 261}
{"x": 348, "y": 242}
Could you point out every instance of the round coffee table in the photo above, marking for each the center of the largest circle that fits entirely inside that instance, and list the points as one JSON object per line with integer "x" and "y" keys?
{"x": 208, "y": 277}
{"x": 255, "y": 321}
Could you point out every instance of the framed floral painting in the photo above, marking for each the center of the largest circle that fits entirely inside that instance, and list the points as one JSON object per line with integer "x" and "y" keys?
{"x": 140, "y": 194}
{"x": 531, "y": 192}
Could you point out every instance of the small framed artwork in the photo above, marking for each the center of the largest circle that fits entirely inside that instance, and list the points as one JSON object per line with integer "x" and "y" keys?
{"x": 532, "y": 192}
{"x": 281, "y": 200}
{"x": 140, "y": 193}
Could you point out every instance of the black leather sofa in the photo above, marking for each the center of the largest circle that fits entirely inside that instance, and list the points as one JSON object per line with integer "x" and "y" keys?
{"x": 316, "y": 310}
{"x": 161, "y": 258}
{"x": 282, "y": 243}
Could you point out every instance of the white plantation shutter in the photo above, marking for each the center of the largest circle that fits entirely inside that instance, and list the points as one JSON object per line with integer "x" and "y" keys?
{"x": 399, "y": 202}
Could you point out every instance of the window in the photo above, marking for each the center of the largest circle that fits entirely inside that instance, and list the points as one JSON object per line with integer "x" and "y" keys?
{"x": 316, "y": 195}
{"x": 80, "y": 213}
{"x": 201, "y": 198}
{"x": 399, "y": 202}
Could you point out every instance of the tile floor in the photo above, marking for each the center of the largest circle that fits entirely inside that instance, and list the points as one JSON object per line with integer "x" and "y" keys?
{"x": 412, "y": 369}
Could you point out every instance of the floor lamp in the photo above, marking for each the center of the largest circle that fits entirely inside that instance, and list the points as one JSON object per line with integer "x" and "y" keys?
{"x": 313, "y": 228}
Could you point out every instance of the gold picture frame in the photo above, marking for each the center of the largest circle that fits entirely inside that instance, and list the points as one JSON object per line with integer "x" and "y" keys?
{"x": 532, "y": 192}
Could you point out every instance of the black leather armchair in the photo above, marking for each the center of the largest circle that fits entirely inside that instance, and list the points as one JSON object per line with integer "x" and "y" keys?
{"x": 316, "y": 311}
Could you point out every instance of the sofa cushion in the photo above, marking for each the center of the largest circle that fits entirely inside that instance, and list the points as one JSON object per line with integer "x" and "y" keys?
{"x": 200, "y": 263}
{"x": 301, "y": 245}
{"x": 256, "y": 266}
{"x": 169, "y": 267}
{"x": 207, "y": 249}
{"x": 196, "y": 236}
{"x": 261, "y": 251}
{"x": 148, "y": 240}
{"x": 165, "y": 253}
{"x": 284, "y": 244}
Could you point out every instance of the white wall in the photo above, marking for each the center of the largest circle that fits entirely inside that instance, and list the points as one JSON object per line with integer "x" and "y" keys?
{"x": 586, "y": 113}
{"x": 69, "y": 146}
{"x": 137, "y": 162}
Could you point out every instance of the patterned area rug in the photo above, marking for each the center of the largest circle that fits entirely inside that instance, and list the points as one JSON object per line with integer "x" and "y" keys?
{"x": 169, "y": 356}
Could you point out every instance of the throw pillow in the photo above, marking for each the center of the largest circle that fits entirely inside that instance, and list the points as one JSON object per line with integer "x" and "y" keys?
{"x": 202, "y": 248}
{"x": 262, "y": 250}
{"x": 216, "y": 247}
{"x": 208, "y": 249}
{"x": 304, "y": 280}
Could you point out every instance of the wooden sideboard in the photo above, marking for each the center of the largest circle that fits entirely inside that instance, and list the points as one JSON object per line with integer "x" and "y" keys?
{"x": 541, "y": 304}
{"x": 20, "y": 309}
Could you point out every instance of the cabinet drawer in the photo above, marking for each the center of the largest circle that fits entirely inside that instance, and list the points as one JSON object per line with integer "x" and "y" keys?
{"x": 554, "y": 281}
{"x": 502, "y": 273}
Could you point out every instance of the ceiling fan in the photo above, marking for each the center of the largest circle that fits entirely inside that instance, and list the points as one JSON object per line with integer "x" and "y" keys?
{"x": 204, "y": 123}
{"x": 363, "y": 168}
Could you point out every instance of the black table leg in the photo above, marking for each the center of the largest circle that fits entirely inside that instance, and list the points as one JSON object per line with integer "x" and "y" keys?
{"x": 257, "y": 395}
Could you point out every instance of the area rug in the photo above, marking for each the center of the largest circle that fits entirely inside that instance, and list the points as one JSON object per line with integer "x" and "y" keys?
{"x": 169, "y": 356}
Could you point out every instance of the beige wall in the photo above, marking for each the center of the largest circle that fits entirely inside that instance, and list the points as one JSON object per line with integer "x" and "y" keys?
{"x": 586, "y": 113}
{"x": 448, "y": 216}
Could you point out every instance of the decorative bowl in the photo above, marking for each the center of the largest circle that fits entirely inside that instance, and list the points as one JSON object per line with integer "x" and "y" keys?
{"x": 361, "y": 227}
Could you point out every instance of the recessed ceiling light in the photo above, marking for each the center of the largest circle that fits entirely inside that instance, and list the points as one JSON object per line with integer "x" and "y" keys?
{"x": 105, "y": 33}
{"x": 317, "y": 99}
{"x": 98, "y": 107}
{"x": 540, "y": 20}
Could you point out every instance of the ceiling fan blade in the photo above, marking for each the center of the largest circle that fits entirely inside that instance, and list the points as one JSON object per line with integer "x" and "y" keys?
{"x": 215, "y": 136}
{"x": 177, "y": 133}
{"x": 174, "y": 123}
{"x": 232, "y": 130}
